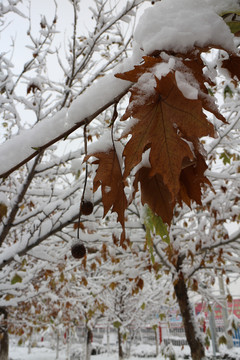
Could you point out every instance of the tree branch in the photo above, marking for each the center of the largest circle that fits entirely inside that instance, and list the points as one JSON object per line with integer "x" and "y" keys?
{"x": 64, "y": 135}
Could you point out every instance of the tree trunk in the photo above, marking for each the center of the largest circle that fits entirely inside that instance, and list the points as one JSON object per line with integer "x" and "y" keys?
{"x": 225, "y": 312}
{"x": 89, "y": 344}
{"x": 57, "y": 344}
{"x": 68, "y": 343}
{"x": 3, "y": 334}
{"x": 30, "y": 343}
{"x": 190, "y": 326}
{"x": 108, "y": 339}
{"x": 120, "y": 349}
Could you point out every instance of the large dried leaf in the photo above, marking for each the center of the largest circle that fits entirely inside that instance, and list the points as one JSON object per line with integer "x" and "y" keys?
{"x": 109, "y": 177}
{"x": 167, "y": 123}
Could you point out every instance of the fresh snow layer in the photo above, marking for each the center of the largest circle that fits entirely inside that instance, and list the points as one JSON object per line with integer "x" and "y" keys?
{"x": 24, "y": 144}
{"x": 174, "y": 25}
{"x": 45, "y": 353}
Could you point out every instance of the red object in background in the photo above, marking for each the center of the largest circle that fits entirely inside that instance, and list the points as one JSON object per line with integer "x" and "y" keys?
{"x": 42, "y": 338}
{"x": 204, "y": 326}
{"x": 233, "y": 308}
{"x": 65, "y": 335}
{"x": 160, "y": 334}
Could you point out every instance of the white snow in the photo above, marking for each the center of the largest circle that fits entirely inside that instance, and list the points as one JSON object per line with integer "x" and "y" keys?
{"x": 47, "y": 353}
{"x": 185, "y": 87}
{"x": 178, "y": 26}
{"x": 104, "y": 144}
{"x": 97, "y": 95}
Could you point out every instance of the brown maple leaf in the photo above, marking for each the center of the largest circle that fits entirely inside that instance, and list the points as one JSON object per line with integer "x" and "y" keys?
{"x": 195, "y": 66}
{"x": 109, "y": 177}
{"x": 191, "y": 63}
{"x": 155, "y": 193}
{"x": 191, "y": 180}
{"x": 133, "y": 75}
{"x": 169, "y": 124}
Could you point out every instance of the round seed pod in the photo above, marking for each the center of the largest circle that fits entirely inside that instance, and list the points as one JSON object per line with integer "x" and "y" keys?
{"x": 86, "y": 207}
{"x": 78, "y": 250}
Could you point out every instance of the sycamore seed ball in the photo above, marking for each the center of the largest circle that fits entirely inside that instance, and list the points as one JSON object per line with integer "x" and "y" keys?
{"x": 78, "y": 250}
{"x": 87, "y": 207}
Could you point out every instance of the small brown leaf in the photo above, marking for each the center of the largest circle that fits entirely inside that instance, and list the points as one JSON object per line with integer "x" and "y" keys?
{"x": 109, "y": 177}
{"x": 84, "y": 281}
{"x": 140, "y": 283}
{"x": 232, "y": 64}
{"x": 3, "y": 210}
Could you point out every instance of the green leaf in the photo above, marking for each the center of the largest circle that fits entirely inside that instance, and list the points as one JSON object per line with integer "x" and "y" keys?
{"x": 226, "y": 157}
{"x": 210, "y": 91}
{"x": 234, "y": 26}
{"x": 207, "y": 341}
{"x": 227, "y": 91}
{"x": 227, "y": 12}
{"x": 62, "y": 278}
{"x": 232, "y": 19}
{"x": 143, "y": 306}
{"x": 117, "y": 324}
{"x": 154, "y": 224}
{"x": 162, "y": 317}
{"x": 16, "y": 279}
{"x": 150, "y": 245}
{"x": 222, "y": 340}
{"x": 208, "y": 332}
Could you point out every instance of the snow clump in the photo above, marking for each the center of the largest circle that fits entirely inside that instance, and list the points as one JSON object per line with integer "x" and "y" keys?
{"x": 178, "y": 26}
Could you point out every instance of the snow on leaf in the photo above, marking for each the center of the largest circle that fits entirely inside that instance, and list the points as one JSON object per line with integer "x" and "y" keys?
{"x": 166, "y": 120}
{"x": 149, "y": 63}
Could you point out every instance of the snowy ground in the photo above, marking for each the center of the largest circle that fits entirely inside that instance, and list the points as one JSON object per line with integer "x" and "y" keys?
{"x": 21, "y": 353}
{"x": 45, "y": 353}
